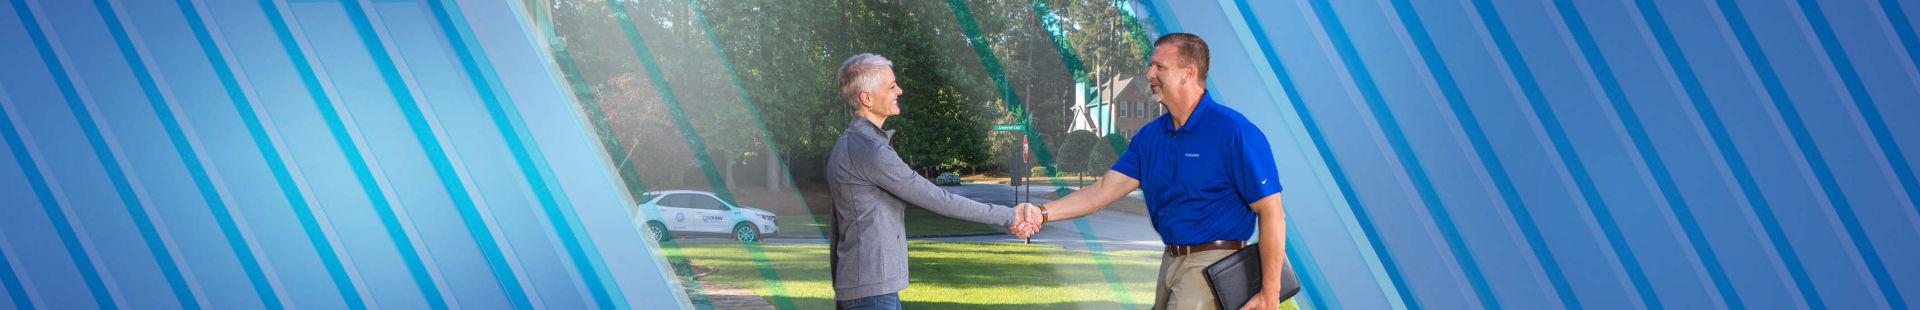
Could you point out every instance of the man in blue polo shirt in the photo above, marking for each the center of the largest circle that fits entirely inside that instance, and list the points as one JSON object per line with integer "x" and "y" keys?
{"x": 1208, "y": 177}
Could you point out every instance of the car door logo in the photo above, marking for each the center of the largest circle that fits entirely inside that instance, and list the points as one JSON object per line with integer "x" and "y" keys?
{"x": 682, "y": 217}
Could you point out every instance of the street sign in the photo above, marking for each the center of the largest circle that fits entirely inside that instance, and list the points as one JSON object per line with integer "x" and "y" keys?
{"x": 1010, "y": 127}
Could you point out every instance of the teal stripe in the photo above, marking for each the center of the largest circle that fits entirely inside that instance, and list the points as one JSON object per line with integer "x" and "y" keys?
{"x": 609, "y": 140}
{"x": 243, "y": 249}
{"x": 695, "y": 144}
{"x": 1307, "y": 268}
{"x": 222, "y": 215}
{"x": 1013, "y": 104}
{"x": 1410, "y": 164}
{"x": 489, "y": 246}
{"x": 1078, "y": 69}
{"x": 169, "y": 124}
{"x": 358, "y": 163}
{"x": 777, "y": 288}
{"x": 532, "y": 164}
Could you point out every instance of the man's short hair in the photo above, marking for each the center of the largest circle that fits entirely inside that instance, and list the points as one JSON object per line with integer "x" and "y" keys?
{"x": 861, "y": 73}
{"x": 1192, "y": 49}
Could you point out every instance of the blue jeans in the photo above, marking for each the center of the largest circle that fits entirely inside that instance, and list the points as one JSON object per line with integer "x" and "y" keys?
{"x": 890, "y": 301}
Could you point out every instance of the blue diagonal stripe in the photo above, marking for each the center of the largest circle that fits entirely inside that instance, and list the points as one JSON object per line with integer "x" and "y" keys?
{"x": 143, "y": 222}
{"x": 1410, "y": 164}
{"x": 1476, "y": 136}
{"x": 1729, "y": 153}
{"x": 1663, "y": 179}
{"x": 443, "y": 167}
{"x": 356, "y": 162}
{"x": 531, "y": 163}
{"x": 1313, "y": 279}
{"x": 243, "y": 105}
{"x": 189, "y": 157}
{"x": 1869, "y": 114}
{"x": 9, "y": 280}
{"x": 1557, "y": 135}
{"x": 1783, "y": 105}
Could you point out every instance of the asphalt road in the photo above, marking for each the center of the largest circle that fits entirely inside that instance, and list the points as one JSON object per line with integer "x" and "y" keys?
{"x": 1104, "y": 230}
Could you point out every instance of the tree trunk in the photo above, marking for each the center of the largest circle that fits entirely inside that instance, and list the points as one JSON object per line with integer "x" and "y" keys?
{"x": 773, "y": 172}
{"x": 727, "y": 170}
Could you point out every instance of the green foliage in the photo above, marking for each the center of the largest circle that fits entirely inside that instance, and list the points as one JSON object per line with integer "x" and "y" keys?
{"x": 1076, "y": 153}
{"x": 1105, "y": 155}
{"x": 785, "y": 55}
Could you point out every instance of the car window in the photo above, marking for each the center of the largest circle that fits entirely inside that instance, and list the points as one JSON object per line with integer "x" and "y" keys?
{"x": 706, "y": 202}
{"x": 676, "y": 200}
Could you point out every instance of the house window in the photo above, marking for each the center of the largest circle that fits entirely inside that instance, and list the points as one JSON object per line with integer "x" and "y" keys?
{"x": 1124, "y": 107}
{"x": 1140, "y": 111}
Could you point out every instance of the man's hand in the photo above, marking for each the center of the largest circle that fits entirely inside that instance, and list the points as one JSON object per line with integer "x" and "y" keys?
{"x": 1026, "y": 220}
{"x": 1265, "y": 300}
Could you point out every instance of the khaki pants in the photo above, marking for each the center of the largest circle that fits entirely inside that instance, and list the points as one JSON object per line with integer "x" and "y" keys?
{"x": 1183, "y": 281}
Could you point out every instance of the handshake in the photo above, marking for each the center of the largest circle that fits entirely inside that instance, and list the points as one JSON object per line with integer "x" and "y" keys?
{"x": 1027, "y": 220}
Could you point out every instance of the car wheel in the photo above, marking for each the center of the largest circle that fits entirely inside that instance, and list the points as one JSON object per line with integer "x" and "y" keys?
{"x": 746, "y": 232}
{"x": 658, "y": 232}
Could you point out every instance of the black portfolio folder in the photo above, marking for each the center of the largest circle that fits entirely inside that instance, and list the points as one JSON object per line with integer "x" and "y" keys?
{"x": 1236, "y": 279}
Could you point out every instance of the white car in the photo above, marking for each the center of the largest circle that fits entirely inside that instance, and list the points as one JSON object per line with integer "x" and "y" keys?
{"x": 663, "y": 213}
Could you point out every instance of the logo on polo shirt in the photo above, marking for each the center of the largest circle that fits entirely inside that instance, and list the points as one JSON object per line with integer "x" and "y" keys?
{"x": 1192, "y": 155}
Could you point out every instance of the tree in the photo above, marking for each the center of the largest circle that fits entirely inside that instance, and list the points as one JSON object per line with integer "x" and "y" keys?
{"x": 1076, "y": 155}
{"x": 1105, "y": 155}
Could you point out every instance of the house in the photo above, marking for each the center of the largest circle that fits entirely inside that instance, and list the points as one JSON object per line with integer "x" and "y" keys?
{"x": 1121, "y": 104}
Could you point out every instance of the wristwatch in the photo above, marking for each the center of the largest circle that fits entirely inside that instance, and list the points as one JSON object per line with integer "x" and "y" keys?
{"x": 1043, "y": 212}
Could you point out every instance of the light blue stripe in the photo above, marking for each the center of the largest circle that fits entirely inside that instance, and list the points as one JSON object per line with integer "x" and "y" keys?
{"x": 1729, "y": 153}
{"x": 244, "y": 107}
{"x": 443, "y": 167}
{"x": 188, "y": 156}
{"x": 1312, "y": 279}
{"x": 1471, "y": 127}
{"x": 1610, "y": 85}
{"x": 141, "y": 221}
{"x": 1903, "y": 29}
{"x": 51, "y": 206}
{"x": 1870, "y": 114}
{"x": 358, "y": 164}
{"x": 481, "y": 74}
{"x": 8, "y": 279}
{"x": 1409, "y": 163}
{"x": 1386, "y": 272}
{"x": 1783, "y": 105}
{"x": 1543, "y": 112}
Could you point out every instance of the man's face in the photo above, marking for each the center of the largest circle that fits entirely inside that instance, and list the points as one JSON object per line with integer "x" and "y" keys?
{"x": 885, "y": 101}
{"x": 1167, "y": 75}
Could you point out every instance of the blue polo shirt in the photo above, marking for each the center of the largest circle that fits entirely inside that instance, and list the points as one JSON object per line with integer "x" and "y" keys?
{"x": 1199, "y": 178}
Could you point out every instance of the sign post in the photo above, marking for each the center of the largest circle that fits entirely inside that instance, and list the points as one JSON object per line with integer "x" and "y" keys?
{"x": 1014, "y": 162}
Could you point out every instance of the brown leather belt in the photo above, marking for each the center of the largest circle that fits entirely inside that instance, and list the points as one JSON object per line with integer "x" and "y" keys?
{"x": 1183, "y": 250}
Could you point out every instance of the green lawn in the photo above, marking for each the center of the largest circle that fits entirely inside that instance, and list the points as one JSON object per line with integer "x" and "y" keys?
{"x": 944, "y": 275}
{"x": 920, "y": 222}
